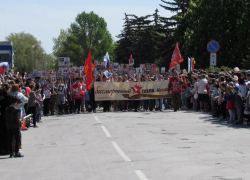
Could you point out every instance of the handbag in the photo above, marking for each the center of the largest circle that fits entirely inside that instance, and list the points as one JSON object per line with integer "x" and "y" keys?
{"x": 195, "y": 96}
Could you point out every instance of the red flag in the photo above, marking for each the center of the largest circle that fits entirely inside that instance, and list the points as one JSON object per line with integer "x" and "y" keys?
{"x": 2, "y": 69}
{"x": 176, "y": 57}
{"x": 193, "y": 63}
{"x": 88, "y": 70}
{"x": 153, "y": 68}
{"x": 131, "y": 59}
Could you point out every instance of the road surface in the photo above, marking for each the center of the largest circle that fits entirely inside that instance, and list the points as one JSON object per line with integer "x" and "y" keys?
{"x": 132, "y": 146}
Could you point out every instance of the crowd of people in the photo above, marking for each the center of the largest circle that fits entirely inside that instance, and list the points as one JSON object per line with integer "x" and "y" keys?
{"x": 224, "y": 95}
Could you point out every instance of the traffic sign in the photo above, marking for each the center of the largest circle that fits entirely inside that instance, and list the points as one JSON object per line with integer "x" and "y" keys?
{"x": 213, "y": 46}
{"x": 213, "y": 58}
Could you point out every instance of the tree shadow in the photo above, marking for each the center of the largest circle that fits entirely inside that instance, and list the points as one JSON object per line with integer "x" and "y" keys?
{"x": 223, "y": 123}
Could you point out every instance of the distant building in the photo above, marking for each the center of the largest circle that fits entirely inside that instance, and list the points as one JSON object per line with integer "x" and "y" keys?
{"x": 7, "y": 53}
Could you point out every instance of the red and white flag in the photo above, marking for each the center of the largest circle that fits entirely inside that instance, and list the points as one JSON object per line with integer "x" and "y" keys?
{"x": 131, "y": 61}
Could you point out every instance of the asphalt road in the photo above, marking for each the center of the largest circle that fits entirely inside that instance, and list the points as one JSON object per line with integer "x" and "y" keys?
{"x": 132, "y": 146}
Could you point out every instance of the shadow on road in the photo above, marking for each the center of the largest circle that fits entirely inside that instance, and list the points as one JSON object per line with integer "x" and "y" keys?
{"x": 209, "y": 118}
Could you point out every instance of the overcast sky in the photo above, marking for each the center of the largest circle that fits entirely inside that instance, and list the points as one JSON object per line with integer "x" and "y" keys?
{"x": 45, "y": 18}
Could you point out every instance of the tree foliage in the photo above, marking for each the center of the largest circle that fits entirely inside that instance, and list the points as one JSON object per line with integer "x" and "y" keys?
{"x": 151, "y": 38}
{"x": 29, "y": 53}
{"x": 88, "y": 31}
{"x": 144, "y": 37}
{"x": 224, "y": 21}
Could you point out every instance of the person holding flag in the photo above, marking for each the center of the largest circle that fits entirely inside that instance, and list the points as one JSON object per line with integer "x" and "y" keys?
{"x": 88, "y": 71}
{"x": 176, "y": 81}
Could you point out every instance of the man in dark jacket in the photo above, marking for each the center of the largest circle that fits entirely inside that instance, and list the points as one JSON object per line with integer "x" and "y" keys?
{"x": 13, "y": 122}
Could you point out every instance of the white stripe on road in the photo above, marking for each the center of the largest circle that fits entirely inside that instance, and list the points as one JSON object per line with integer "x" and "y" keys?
{"x": 106, "y": 131}
{"x": 119, "y": 150}
{"x": 140, "y": 175}
{"x": 96, "y": 118}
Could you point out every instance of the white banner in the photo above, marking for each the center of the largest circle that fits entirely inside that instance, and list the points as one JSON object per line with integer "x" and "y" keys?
{"x": 131, "y": 90}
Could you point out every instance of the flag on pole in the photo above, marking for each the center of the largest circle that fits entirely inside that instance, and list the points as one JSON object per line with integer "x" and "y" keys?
{"x": 3, "y": 67}
{"x": 176, "y": 57}
{"x": 189, "y": 64}
{"x": 153, "y": 68}
{"x": 131, "y": 61}
{"x": 88, "y": 66}
{"x": 193, "y": 63}
{"x": 107, "y": 60}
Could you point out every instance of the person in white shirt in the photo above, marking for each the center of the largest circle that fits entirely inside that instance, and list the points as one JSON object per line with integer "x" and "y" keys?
{"x": 202, "y": 91}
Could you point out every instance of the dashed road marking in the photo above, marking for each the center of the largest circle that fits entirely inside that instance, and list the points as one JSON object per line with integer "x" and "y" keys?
{"x": 97, "y": 120}
{"x": 119, "y": 150}
{"x": 140, "y": 175}
{"x": 106, "y": 131}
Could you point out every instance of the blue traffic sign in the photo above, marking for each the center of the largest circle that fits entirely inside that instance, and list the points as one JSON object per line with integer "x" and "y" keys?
{"x": 213, "y": 46}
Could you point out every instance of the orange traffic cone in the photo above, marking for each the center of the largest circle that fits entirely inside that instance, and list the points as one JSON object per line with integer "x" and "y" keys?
{"x": 23, "y": 125}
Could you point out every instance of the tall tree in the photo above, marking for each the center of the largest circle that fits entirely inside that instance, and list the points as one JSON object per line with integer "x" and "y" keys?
{"x": 88, "y": 31}
{"x": 29, "y": 53}
{"x": 224, "y": 21}
{"x": 142, "y": 37}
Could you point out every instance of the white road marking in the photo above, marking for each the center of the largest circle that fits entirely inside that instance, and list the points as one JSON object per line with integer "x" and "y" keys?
{"x": 106, "y": 131}
{"x": 140, "y": 175}
{"x": 119, "y": 150}
{"x": 96, "y": 118}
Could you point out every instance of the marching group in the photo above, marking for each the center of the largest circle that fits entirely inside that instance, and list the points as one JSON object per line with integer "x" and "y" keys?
{"x": 225, "y": 95}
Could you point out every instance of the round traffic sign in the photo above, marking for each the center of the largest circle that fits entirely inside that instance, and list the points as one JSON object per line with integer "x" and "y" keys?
{"x": 213, "y": 46}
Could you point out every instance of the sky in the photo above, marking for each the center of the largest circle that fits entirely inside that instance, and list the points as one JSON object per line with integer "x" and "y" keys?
{"x": 44, "y": 18}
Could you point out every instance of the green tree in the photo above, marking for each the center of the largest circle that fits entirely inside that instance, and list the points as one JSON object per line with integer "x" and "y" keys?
{"x": 28, "y": 51}
{"x": 88, "y": 31}
{"x": 224, "y": 21}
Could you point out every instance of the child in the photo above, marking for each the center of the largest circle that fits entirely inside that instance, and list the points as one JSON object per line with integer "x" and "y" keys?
{"x": 230, "y": 104}
{"x": 215, "y": 97}
{"x": 39, "y": 100}
{"x": 13, "y": 123}
{"x": 238, "y": 105}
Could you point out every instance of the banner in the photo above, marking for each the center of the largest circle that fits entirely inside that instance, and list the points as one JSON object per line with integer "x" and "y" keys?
{"x": 131, "y": 90}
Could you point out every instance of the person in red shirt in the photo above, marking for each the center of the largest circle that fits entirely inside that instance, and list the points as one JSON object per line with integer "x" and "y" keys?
{"x": 78, "y": 94}
{"x": 175, "y": 86}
